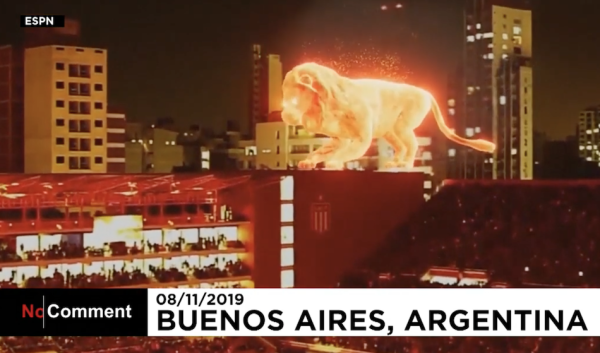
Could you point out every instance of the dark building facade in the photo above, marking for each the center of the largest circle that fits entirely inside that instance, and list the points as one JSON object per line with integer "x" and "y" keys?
{"x": 561, "y": 161}
{"x": 265, "y": 91}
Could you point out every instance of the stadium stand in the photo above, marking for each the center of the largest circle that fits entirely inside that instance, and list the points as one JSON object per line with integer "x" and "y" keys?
{"x": 475, "y": 234}
{"x": 483, "y": 234}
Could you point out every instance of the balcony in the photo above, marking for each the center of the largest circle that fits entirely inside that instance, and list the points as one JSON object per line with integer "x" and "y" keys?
{"x": 159, "y": 258}
{"x": 85, "y": 223}
{"x": 143, "y": 274}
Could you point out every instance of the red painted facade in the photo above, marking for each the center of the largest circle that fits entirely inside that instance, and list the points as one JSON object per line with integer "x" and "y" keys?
{"x": 361, "y": 209}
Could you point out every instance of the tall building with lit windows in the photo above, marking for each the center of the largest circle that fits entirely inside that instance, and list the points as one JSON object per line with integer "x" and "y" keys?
{"x": 65, "y": 117}
{"x": 496, "y": 84}
{"x": 12, "y": 87}
{"x": 588, "y": 134}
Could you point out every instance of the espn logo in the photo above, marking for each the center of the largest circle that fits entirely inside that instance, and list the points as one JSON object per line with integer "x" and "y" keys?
{"x": 43, "y": 21}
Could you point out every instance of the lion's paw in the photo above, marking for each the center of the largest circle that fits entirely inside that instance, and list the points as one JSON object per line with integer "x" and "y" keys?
{"x": 306, "y": 164}
{"x": 334, "y": 165}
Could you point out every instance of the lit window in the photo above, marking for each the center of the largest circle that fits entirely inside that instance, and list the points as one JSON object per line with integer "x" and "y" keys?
{"x": 287, "y": 235}
{"x": 477, "y": 130}
{"x": 451, "y": 152}
{"x": 250, "y": 151}
{"x": 287, "y": 279}
{"x": 581, "y": 148}
{"x": 504, "y": 47}
{"x": 451, "y": 102}
{"x": 504, "y": 56}
{"x": 470, "y": 38}
{"x": 589, "y": 148}
{"x": 424, "y": 141}
{"x": 287, "y": 212}
{"x": 451, "y": 111}
{"x": 517, "y": 30}
{"x": 426, "y": 156}
{"x": 469, "y": 27}
{"x": 518, "y": 40}
{"x": 287, "y": 188}
{"x": 478, "y": 36}
{"x": 287, "y": 257}
{"x": 514, "y": 151}
{"x": 488, "y": 35}
{"x": 469, "y": 132}
{"x": 504, "y": 36}
{"x": 589, "y": 159}
{"x": 503, "y": 100}
{"x": 427, "y": 184}
{"x": 470, "y": 90}
{"x": 589, "y": 132}
{"x": 478, "y": 26}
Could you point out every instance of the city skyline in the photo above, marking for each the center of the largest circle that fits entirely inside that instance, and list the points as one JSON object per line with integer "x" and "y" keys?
{"x": 181, "y": 64}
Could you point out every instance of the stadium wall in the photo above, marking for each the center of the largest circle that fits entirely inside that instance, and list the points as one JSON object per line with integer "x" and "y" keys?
{"x": 363, "y": 208}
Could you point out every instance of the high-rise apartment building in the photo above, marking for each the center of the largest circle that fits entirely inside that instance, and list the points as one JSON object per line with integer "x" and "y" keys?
{"x": 65, "y": 116}
{"x": 493, "y": 98}
{"x": 588, "y": 134}
{"x": 12, "y": 88}
{"x": 266, "y": 92}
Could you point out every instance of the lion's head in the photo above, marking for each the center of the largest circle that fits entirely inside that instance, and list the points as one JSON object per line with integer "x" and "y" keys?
{"x": 308, "y": 93}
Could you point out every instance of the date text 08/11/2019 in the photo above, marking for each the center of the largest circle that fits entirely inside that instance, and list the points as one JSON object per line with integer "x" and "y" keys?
{"x": 193, "y": 299}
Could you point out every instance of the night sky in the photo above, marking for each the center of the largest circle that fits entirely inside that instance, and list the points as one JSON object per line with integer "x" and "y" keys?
{"x": 190, "y": 59}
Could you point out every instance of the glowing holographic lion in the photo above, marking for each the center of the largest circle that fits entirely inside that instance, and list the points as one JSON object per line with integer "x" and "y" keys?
{"x": 353, "y": 112}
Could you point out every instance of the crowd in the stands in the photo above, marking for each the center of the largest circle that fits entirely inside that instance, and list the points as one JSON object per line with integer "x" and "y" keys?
{"x": 124, "y": 278}
{"x": 518, "y": 233}
{"x": 68, "y": 250}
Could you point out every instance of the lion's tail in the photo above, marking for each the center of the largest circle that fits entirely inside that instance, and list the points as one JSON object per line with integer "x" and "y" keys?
{"x": 479, "y": 145}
